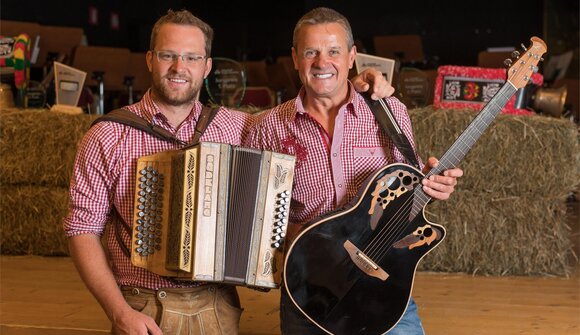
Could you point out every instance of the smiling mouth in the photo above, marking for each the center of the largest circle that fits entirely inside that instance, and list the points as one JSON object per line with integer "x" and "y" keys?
{"x": 323, "y": 75}
{"x": 177, "y": 80}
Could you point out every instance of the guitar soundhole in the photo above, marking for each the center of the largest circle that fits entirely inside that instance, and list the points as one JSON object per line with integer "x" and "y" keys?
{"x": 407, "y": 180}
{"x": 393, "y": 184}
{"x": 426, "y": 233}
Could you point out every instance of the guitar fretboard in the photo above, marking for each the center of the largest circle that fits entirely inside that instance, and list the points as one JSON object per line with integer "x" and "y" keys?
{"x": 455, "y": 154}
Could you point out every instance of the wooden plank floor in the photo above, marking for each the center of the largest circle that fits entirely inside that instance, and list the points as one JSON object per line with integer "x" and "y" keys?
{"x": 41, "y": 295}
{"x": 45, "y": 296}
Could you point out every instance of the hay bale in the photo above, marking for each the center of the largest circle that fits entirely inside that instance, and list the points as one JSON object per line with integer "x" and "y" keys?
{"x": 31, "y": 219}
{"x": 38, "y": 146}
{"x": 495, "y": 235}
{"x": 517, "y": 155}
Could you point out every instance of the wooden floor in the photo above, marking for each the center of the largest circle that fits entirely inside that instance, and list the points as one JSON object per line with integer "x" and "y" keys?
{"x": 45, "y": 296}
{"x": 41, "y": 295}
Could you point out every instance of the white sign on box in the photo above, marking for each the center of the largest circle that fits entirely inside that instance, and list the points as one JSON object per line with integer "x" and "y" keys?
{"x": 385, "y": 65}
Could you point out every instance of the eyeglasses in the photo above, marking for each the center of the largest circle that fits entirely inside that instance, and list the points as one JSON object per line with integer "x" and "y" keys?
{"x": 170, "y": 57}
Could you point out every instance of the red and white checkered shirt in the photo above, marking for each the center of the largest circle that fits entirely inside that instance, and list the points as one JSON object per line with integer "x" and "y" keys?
{"x": 329, "y": 169}
{"x": 104, "y": 177}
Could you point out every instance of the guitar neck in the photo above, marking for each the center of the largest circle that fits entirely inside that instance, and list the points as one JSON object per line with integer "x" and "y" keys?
{"x": 455, "y": 154}
{"x": 472, "y": 133}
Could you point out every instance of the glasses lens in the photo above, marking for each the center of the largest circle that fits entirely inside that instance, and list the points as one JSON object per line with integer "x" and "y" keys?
{"x": 166, "y": 56}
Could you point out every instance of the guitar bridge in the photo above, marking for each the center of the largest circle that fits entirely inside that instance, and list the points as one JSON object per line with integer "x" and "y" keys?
{"x": 364, "y": 263}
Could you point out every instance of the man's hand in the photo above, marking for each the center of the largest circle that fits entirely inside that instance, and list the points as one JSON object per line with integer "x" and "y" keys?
{"x": 373, "y": 79}
{"x": 441, "y": 186}
{"x": 134, "y": 322}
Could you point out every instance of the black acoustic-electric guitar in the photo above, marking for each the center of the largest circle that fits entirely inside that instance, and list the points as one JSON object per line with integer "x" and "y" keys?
{"x": 351, "y": 271}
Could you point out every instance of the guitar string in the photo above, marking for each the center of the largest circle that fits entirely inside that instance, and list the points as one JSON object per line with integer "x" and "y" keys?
{"x": 391, "y": 234}
{"x": 503, "y": 95}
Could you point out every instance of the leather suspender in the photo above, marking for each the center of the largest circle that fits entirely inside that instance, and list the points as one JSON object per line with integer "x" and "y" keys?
{"x": 204, "y": 120}
{"x": 389, "y": 124}
{"x": 129, "y": 118}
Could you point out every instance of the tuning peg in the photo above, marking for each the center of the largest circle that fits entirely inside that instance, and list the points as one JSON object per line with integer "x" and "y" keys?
{"x": 524, "y": 47}
{"x": 516, "y": 54}
{"x": 507, "y": 62}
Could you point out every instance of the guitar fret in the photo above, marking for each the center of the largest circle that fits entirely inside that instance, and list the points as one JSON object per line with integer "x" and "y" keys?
{"x": 471, "y": 134}
{"x": 464, "y": 142}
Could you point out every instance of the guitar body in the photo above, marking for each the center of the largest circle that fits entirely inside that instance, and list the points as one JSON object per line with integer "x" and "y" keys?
{"x": 327, "y": 268}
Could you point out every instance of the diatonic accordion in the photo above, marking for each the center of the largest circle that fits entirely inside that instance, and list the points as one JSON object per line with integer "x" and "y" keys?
{"x": 213, "y": 212}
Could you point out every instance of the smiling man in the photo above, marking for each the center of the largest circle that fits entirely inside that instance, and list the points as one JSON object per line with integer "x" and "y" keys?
{"x": 103, "y": 184}
{"x": 336, "y": 139}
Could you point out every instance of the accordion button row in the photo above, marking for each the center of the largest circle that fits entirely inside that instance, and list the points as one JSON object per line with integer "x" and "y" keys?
{"x": 149, "y": 211}
{"x": 280, "y": 219}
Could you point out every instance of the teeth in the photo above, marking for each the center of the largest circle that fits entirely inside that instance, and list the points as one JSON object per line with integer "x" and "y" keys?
{"x": 178, "y": 80}
{"x": 323, "y": 76}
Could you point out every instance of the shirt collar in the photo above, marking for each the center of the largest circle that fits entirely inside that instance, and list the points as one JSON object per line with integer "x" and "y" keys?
{"x": 354, "y": 99}
{"x": 152, "y": 112}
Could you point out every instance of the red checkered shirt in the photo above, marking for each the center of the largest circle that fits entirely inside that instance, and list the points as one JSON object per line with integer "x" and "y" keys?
{"x": 329, "y": 170}
{"x": 104, "y": 177}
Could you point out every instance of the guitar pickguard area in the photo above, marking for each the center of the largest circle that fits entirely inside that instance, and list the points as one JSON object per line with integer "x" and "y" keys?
{"x": 421, "y": 236}
{"x": 391, "y": 186}
{"x": 388, "y": 188}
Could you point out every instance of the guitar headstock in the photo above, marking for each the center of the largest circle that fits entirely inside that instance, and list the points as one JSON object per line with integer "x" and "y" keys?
{"x": 522, "y": 69}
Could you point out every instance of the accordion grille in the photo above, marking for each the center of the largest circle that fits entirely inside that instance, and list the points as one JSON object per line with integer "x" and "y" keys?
{"x": 244, "y": 180}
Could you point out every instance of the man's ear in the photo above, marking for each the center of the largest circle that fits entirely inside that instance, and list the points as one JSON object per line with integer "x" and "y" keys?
{"x": 351, "y": 56}
{"x": 295, "y": 58}
{"x": 208, "y": 65}
{"x": 149, "y": 60}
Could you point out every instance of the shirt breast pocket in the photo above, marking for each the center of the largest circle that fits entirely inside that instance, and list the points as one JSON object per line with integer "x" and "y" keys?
{"x": 369, "y": 159}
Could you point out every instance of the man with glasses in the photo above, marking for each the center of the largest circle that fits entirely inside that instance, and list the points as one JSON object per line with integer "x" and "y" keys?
{"x": 138, "y": 301}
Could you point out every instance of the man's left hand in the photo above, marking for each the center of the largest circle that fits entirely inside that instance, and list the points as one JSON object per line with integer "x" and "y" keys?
{"x": 373, "y": 79}
{"x": 440, "y": 186}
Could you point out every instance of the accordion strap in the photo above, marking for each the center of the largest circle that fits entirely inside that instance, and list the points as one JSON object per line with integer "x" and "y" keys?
{"x": 389, "y": 124}
{"x": 205, "y": 118}
{"x": 118, "y": 224}
{"x": 129, "y": 118}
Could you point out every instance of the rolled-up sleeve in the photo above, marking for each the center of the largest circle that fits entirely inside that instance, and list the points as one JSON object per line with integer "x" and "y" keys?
{"x": 90, "y": 189}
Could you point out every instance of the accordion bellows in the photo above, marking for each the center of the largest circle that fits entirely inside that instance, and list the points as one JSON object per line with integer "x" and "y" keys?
{"x": 213, "y": 212}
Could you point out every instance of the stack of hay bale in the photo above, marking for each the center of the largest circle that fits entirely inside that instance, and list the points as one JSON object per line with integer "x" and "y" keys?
{"x": 508, "y": 214}
{"x": 37, "y": 150}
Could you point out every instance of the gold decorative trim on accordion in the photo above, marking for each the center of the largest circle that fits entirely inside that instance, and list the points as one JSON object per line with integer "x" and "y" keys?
{"x": 213, "y": 212}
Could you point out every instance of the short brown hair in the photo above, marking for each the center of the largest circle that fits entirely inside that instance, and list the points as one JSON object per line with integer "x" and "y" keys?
{"x": 183, "y": 17}
{"x": 324, "y": 15}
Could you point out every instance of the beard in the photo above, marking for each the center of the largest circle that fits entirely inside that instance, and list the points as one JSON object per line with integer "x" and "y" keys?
{"x": 176, "y": 97}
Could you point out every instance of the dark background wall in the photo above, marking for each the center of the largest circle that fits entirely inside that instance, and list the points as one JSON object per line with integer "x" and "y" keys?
{"x": 452, "y": 32}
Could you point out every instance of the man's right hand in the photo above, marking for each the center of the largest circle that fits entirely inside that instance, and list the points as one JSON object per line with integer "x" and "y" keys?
{"x": 132, "y": 322}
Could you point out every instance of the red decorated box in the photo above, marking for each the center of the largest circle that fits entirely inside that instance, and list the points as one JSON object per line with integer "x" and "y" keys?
{"x": 472, "y": 87}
